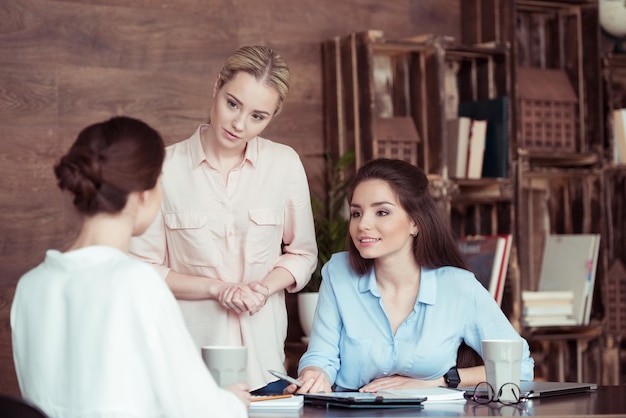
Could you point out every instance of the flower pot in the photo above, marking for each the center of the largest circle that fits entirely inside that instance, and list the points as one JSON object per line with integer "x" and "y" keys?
{"x": 307, "y": 301}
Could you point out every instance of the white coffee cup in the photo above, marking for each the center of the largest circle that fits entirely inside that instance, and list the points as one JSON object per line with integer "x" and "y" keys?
{"x": 503, "y": 364}
{"x": 227, "y": 364}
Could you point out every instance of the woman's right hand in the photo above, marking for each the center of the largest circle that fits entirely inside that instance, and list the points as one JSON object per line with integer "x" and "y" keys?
{"x": 241, "y": 298}
{"x": 314, "y": 380}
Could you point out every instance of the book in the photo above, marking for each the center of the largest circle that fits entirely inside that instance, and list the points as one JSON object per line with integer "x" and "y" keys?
{"x": 458, "y": 140}
{"x": 504, "y": 268}
{"x": 548, "y": 308}
{"x": 432, "y": 395}
{"x": 551, "y": 296}
{"x": 549, "y": 320}
{"x": 548, "y": 303}
{"x": 476, "y": 148}
{"x": 280, "y": 404}
{"x": 465, "y": 147}
{"x": 619, "y": 136}
{"x": 487, "y": 256}
{"x": 496, "y": 156}
{"x": 563, "y": 309}
{"x": 569, "y": 263}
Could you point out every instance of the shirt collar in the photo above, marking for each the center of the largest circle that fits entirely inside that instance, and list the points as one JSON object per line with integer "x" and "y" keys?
{"x": 428, "y": 286}
{"x": 198, "y": 155}
{"x": 195, "y": 147}
{"x": 367, "y": 282}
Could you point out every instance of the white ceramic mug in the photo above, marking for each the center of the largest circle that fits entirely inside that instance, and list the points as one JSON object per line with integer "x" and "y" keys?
{"x": 503, "y": 364}
{"x": 227, "y": 364}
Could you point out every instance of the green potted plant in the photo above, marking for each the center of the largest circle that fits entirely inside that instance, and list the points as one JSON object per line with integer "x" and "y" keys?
{"x": 330, "y": 213}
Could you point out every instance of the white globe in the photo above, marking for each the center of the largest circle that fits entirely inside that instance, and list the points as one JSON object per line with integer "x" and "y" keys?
{"x": 613, "y": 17}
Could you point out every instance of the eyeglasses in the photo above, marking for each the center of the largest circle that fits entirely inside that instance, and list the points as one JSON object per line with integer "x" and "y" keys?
{"x": 508, "y": 394}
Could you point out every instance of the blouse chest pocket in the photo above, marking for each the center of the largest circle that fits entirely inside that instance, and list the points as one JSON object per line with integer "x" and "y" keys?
{"x": 194, "y": 238}
{"x": 361, "y": 365}
{"x": 264, "y": 235}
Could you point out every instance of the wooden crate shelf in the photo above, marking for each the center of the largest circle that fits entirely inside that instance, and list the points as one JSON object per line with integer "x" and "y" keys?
{"x": 369, "y": 80}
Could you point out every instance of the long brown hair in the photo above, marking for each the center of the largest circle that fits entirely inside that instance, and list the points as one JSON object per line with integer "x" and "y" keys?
{"x": 434, "y": 246}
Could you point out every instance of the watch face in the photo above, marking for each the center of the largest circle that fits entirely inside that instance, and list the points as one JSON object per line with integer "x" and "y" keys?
{"x": 452, "y": 378}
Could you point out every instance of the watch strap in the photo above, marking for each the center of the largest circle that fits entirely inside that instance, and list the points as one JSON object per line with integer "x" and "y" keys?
{"x": 452, "y": 377}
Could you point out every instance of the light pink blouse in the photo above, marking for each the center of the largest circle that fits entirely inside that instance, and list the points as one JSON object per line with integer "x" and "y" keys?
{"x": 233, "y": 232}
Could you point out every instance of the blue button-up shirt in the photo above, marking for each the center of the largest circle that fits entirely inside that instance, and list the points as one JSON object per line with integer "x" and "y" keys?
{"x": 352, "y": 339}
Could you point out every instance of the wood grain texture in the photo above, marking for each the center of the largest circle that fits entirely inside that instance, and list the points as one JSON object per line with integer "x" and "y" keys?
{"x": 27, "y": 94}
{"x": 65, "y": 64}
{"x": 174, "y": 104}
{"x": 121, "y": 37}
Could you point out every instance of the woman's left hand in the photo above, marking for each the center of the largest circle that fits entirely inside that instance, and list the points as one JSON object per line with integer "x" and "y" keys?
{"x": 397, "y": 382}
{"x": 255, "y": 296}
{"x": 230, "y": 298}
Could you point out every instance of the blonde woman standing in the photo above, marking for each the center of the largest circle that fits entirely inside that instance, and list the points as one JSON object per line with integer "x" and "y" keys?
{"x": 235, "y": 228}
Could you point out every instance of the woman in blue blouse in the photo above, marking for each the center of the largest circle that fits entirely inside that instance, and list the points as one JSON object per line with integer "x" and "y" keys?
{"x": 394, "y": 309}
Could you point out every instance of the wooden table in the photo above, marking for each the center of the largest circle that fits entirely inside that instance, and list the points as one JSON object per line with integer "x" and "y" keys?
{"x": 606, "y": 401}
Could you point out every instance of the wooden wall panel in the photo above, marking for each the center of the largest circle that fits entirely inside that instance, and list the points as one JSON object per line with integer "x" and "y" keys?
{"x": 65, "y": 64}
{"x": 172, "y": 103}
{"x": 104, "y": 36}
{"x": 27, "y": 94}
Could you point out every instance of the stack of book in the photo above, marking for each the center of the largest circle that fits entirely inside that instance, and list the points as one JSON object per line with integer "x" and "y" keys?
{"x": 548, "y": 308}
{"x": 466, "y": 147}
{"x": 477, "y": 140}
{"x": 569, "y": 263}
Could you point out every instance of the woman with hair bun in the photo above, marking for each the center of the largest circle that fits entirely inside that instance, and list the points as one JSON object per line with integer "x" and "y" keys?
{"x": 96, "y": 332}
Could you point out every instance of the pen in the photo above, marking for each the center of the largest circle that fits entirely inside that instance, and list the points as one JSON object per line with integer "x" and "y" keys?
{"x": 286, "y": 378}
{"x": 267, "y": 398}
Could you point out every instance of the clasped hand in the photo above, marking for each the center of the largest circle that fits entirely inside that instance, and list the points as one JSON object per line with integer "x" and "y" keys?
{"x": 244, "y": 297}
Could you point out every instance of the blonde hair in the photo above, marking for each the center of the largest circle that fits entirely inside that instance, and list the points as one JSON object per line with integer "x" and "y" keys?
{"x": 264, "y": 64}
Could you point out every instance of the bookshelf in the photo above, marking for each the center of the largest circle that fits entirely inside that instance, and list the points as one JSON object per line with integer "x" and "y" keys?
{"x": 419, "y": 84}
{"x": 614, "y": 88}
{"x": 369, "y": 79}
{"x": 566, "y": 192}
{"x": 560, "y": 182}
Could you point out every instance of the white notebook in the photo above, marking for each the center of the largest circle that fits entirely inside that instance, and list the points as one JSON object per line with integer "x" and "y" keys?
{"x": 432, "y": 395}
{"x": 270, "y": 403}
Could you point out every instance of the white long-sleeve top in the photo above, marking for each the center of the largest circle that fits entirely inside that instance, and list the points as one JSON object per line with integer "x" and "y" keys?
{"x": 98, "y": 334}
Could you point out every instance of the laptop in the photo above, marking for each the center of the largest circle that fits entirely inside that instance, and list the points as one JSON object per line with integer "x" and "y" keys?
{"x": 532, "y": 390}
{"x": 362, "y": 400}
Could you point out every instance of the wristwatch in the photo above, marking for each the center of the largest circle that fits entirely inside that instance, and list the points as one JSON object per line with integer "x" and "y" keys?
{"x": 452, "y": 377}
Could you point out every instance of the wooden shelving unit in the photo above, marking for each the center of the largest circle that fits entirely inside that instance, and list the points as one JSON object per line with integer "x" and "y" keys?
{"x": 566, "y": 192}
{"x": 418, "y": 83}
{"x": 614, "y": 295}
{"x": 572, "y": 190}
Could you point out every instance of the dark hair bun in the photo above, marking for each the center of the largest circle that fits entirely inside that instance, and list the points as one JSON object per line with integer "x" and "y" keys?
{"x": 108, "y": 161}
{"x": 79, "y": 172}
